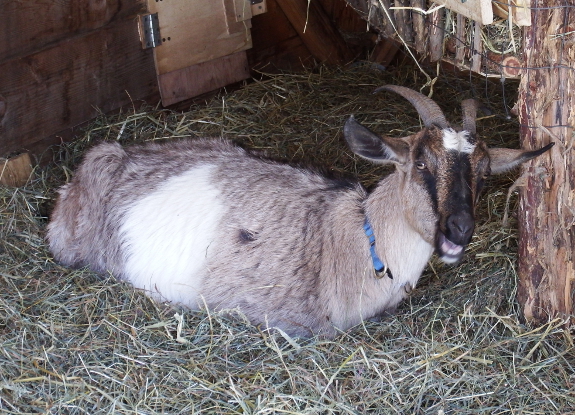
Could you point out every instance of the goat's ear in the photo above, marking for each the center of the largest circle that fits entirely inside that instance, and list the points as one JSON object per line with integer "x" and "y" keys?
{"x": 504, "y": 159}
{"x": 369, "y": 145}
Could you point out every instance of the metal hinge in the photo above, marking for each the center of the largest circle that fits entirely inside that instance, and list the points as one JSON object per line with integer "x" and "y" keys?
{"x": 150, "y": 31}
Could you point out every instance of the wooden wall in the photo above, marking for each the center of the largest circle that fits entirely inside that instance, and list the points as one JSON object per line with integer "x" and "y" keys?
{"x": 61, "y": 62}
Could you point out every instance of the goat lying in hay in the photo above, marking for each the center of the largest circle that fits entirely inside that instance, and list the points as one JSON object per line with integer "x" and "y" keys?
{"x": 201, "y": 221}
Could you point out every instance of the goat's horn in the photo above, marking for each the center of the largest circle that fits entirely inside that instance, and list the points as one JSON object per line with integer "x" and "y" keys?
{"x": 428, "y": 110}
{"x": 469, "y": 108}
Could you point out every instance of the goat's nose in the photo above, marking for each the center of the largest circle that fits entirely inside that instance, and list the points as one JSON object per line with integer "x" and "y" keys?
{"x": 460, "y": 227}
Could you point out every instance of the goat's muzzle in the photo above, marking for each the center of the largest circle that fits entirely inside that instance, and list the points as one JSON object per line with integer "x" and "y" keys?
{"x": 458, "y": 232}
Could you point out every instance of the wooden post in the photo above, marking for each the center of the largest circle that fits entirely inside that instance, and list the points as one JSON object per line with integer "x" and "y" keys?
{"x": 387, "y": 20}
{"x": 403, "y": 21}
{"x": 419, "y": 28}
{"x": 436, "y": 34}
{"x": 460, "y": 39}
{"x": 547, "y": 203}
{"x": 316, "y": 30}
{"x": 477, "y": 51}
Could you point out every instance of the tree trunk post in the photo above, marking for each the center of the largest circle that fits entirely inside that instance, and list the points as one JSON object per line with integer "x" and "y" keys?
{"x": 547, "y": 203}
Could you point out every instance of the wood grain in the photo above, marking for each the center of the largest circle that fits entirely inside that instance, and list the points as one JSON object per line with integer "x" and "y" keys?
{"x": 521, "y": 15}
{"x": 419, "y": 27}
{"x": 478, "y": 10}
{"x": 276, "y": 44}
{"x": 197, "y": 79}
{"x": 477, "y": 51}
{"x": 28, "y": 26}
{"x": 71, "y": 82}
{"x": 403, "y": 21}
{"x": 196, "y": 32}
{"x": 546, "y": 211}
{"x": 316, "y": 30}
{"x": 436, "y": 34}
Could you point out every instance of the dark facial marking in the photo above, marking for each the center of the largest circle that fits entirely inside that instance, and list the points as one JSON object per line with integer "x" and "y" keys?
{"x": 427, "y": 173}
{"x": 460, "y": 170}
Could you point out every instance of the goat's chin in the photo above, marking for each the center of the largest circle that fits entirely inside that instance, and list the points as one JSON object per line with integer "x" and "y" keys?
{"x": 449, "y": 252}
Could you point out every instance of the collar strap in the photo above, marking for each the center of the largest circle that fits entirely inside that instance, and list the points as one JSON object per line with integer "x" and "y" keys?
{"x": 379, "y": 268}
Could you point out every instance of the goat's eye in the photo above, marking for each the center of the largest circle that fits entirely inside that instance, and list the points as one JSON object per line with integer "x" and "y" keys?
{"x": 420, "y": 165}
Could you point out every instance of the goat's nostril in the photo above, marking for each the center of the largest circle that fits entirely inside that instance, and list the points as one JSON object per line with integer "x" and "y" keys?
{"x": 461, "y": 223}
{"x": 463, "y": 227}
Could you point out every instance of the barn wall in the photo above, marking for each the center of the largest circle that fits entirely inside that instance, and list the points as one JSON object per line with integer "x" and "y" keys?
{"x": 63, "y": 62}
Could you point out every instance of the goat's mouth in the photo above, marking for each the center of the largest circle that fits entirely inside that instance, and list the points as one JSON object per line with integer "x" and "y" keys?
{"x": 448, "y": 251}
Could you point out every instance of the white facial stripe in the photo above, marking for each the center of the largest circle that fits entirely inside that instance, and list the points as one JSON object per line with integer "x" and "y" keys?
{"x": 458, "y": 141}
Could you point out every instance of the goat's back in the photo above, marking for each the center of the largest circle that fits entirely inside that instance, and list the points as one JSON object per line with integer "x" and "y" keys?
{"x": 203, "y": 220}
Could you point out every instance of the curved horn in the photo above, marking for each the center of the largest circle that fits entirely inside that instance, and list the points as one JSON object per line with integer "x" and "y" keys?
{"x": 427, "y": 109}
{"x": 469, "y": 108}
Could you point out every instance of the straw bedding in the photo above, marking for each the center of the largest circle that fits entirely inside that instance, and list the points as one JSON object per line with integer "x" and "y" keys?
{"x": 75, "y": 343}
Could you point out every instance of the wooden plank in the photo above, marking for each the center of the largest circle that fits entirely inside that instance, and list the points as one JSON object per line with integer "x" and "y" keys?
{"x": 276, "y": 44}
{"x": 371, "y": 12}
{"x": 477, "y": 51}
{"x": 243, "y": 10}
{"x": 546, "y": 216}
{"x": 15, "y": 171}
{"x": 27, "y": 26}
{"x": 460, "y": 39}
{"x": 271, "y": 28}
{"x": 479, "y": 10}
{"x": 195, "y": 33}
{"x": 419, "y": 28}
{"x": 387, "y": 19}
{"x": 232, "y": 24}
{"x": 204, "y": 77}
{"x": 71, "y": 82}
{"x": 259, "y": 8}
{"x": 436, "y": 34}
{"x": 316, "y": 30}
{"x": 385, "y": 51}
{"x": 403, "y": 22}
{"x": 288, "y": 55}
{"x": 521, "y": 14}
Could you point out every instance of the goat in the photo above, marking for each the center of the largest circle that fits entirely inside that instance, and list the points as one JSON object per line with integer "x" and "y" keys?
{"x": 204, "y": 222}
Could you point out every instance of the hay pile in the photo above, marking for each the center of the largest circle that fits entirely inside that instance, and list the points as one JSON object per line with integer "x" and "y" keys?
{"x": 74, "y": 343}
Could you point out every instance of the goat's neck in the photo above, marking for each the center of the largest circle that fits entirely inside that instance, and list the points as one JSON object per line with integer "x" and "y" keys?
{"x": 398, "y": 243}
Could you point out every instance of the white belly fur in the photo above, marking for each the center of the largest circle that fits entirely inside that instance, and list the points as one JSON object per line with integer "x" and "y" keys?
{"x": 167, "y": 236}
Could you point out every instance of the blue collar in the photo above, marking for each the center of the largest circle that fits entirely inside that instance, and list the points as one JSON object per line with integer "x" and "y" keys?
{"x": 379, "y": 267}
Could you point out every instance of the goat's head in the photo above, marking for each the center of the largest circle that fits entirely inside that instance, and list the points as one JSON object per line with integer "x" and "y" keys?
{"x": 442, "y": 168}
